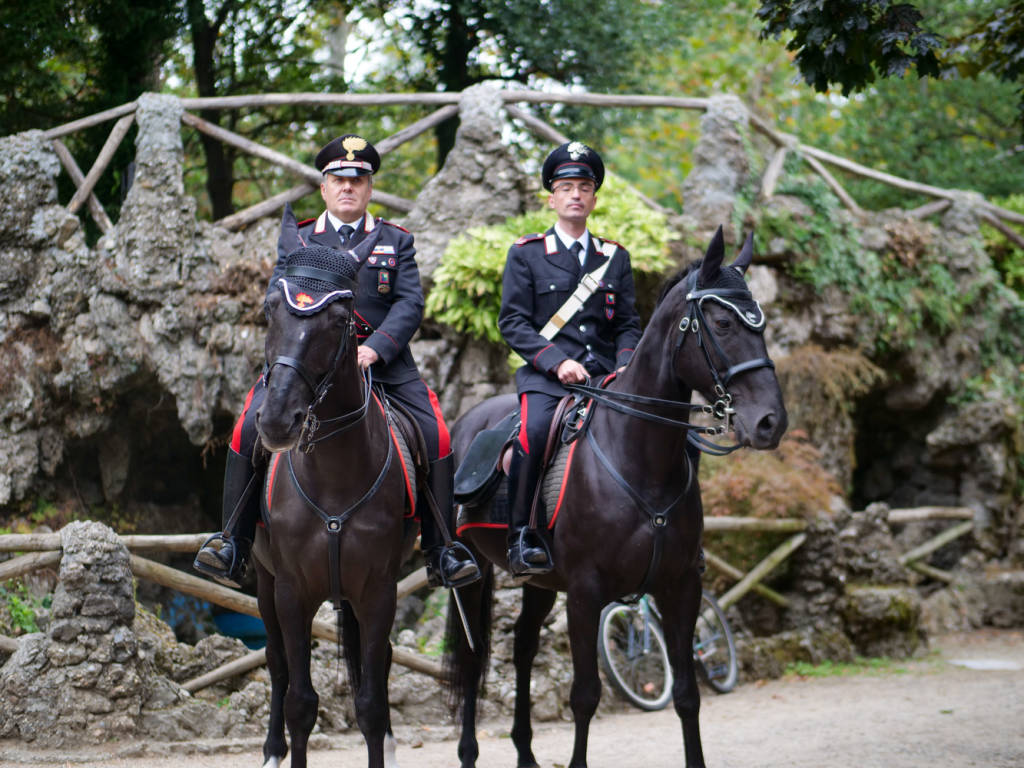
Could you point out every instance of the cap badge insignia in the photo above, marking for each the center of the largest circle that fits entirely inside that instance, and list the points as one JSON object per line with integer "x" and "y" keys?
{"x": 353, "y": 144}
{"x": 577, "y": 149}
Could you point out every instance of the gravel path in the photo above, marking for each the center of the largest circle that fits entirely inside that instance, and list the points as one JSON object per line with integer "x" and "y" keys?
{"x": 963, "y": 705}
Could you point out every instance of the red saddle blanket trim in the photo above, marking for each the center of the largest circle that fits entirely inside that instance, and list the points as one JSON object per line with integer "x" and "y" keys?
{"x": 401, "y": 460}
{"x": 558, "y": 503}
{"x": 276, "y": 458}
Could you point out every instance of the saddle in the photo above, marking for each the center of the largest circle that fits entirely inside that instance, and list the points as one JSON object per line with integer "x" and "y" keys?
{"x": 489, "y": 455}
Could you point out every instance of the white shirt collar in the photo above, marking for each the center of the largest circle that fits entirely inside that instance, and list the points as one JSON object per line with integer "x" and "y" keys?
{"x": 568, "y": 240}
{"x": 337, "y": 223}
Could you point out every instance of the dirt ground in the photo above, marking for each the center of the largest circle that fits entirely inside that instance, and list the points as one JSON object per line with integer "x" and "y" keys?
{"x": 962, "y": 705}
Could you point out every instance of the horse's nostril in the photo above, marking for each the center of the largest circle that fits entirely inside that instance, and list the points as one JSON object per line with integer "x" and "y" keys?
{"x": 767, "y": 425}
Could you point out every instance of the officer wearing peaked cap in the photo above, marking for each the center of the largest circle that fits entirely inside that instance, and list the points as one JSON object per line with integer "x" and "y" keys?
{"x": 541, "y": 273}
{"x": 388, "y": 310}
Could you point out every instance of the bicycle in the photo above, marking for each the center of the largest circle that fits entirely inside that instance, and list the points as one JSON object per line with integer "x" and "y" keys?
{"x": 632, "y": 649}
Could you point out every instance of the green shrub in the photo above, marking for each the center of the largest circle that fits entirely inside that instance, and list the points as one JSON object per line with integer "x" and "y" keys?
{"x": 18, "y": 609}
{"x": 467, "y": 285}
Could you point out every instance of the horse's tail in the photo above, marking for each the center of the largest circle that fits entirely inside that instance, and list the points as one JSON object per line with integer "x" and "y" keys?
{"x": 462, "y": 665}
{"x": 348, "y": 630}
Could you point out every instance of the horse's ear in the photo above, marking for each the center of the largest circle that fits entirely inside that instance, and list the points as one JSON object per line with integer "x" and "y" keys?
{"x": 713, "y": 258}
{"x": 288, "y": 240}
{"x": 746, "y": 255}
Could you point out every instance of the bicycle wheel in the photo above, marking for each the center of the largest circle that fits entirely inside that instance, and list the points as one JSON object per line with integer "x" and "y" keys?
{"x": 636, "y": 661}
{"x": 714, "y": 648}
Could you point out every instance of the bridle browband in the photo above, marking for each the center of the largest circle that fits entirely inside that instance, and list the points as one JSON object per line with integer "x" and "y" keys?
{"x": 694, "y": 322}
{"x": 312, "y": 423}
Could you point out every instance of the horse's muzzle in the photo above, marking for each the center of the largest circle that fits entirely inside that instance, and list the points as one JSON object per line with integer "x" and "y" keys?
{"x": 763, "y": 430}
{"x": 282, "y": 431}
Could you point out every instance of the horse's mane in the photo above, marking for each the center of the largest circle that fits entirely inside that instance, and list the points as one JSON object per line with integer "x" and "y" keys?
{"x": 677, "y": 278}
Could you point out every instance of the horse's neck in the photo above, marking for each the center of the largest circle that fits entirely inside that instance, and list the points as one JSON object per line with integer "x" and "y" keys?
{"x": 654, "y": 452}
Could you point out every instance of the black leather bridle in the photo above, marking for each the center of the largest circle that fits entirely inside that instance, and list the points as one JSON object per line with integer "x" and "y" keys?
{"x": 319, "y": 389}
{"x": 693, "y": 321}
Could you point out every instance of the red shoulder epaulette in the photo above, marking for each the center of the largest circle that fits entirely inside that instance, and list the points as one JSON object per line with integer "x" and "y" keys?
{"x": 304, "y": 222}
{"x": 528, "y": 239}
{"x": 396, "y": 226}
{"x": 609, "y": 240}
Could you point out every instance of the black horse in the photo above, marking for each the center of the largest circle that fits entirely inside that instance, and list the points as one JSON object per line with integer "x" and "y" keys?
{"x": 629, "y": 514}
{"x": 335, "y": 491}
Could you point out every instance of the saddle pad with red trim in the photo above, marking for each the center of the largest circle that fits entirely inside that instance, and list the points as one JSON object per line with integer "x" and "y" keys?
{"x": 278, "y": 472}
{"x": 493, "y": 512}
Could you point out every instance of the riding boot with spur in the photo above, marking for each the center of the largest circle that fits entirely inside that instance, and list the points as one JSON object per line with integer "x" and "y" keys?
{"x": 449, "y": 564}
{"x": 527, "y": 551}
{"x": 224, "y": 555}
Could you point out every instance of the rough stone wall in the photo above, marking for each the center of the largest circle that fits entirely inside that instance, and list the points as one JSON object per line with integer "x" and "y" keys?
{"x": 163, "y": 315}
{"x": 80, "y": 681}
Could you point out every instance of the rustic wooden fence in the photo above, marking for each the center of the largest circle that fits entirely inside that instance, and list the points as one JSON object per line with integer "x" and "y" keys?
{"x": 43, "y": 550}
{"x": 448, "y": 106}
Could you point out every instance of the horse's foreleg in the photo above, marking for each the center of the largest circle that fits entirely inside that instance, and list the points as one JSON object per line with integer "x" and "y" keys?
{"x": 536, "y": 606}
{"x": 275, "y": 747}
{"x": 390, "y": 744}
{"x": 679, "y": 615}
{"x": 584, "y": 612}
{"x": 301, "y": 700}
{"x": 464, "y": 668}
{"x": 371, "y": 698}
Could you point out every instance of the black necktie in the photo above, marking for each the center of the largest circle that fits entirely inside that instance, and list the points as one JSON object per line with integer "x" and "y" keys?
{"x": 576, "y": 249}
{"x": 345, "y": 232}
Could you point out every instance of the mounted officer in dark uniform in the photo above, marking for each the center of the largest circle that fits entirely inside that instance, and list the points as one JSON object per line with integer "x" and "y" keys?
{"x": 388, "y": 310}
{"x": 561, "y": 344}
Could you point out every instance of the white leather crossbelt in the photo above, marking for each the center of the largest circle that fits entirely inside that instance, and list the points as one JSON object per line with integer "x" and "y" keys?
{"x": 587, "y": 285}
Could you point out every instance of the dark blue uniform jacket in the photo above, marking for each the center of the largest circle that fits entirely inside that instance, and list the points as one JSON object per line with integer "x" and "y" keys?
{"x": 540, "y": 274}
{"x": 389, "y": 299}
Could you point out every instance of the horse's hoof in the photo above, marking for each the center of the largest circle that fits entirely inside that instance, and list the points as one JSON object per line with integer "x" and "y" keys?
{"x": 390, "y": 745}
{"x": 273, "y": 762}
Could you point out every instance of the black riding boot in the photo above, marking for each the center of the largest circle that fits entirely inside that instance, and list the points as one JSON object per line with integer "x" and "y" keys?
{"x": 450, "y": 565}
{"x": 224, "y": 555}
{"x": 527, "y": 551}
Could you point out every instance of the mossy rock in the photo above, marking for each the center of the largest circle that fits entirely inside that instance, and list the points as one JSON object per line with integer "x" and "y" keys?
{"x": 883, "y": 620}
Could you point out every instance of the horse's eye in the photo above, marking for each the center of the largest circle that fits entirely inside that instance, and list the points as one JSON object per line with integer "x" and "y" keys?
{"x": 723, "y": 323}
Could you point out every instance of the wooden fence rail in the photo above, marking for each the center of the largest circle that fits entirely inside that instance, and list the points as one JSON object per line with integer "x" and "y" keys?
{"x": 994, "y": 215}
{"x": 43, "y": 550}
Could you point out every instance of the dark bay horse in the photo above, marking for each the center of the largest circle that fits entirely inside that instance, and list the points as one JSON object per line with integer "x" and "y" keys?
{"x": 334, "y": 502}
{"x": 629, "y": 515}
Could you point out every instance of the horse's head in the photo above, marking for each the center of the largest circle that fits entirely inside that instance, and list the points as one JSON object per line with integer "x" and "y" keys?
{"x": 719, "y": 349}
{"x": 310, "y": 340}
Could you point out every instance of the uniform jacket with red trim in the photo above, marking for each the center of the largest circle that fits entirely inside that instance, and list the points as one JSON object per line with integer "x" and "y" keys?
{"x": 389, "y": 298}
{"x": 540, "y": 274}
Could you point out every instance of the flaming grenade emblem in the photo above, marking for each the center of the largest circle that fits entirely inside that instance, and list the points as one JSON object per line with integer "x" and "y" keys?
{"x": 353, "y": 144}
{"x": 577, "y": 150}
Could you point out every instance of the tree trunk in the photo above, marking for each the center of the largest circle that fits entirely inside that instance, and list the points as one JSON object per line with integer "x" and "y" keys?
{"x": 454, "y": 73}
{"x": 219, "y": 171}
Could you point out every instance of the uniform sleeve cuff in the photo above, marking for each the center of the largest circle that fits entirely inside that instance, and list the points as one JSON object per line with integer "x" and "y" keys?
{"x": 383, "y": 345}
{"x": 549, "y": 358}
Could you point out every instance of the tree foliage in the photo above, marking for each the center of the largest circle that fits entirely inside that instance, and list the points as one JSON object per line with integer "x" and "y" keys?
{"x": 851, "y": 42}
